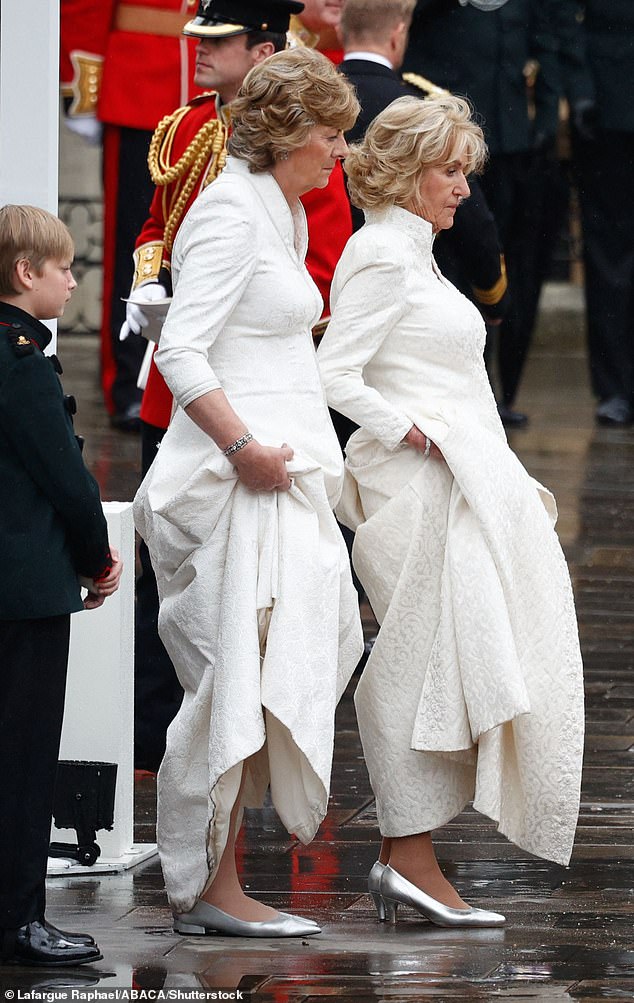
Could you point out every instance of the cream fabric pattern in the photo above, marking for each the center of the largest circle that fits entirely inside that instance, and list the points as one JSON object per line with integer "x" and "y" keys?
{"x": 257, "y": 607}
{"x": 474, "y": 688}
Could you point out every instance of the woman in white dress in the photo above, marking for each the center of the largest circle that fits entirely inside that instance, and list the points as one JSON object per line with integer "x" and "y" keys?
{"x": 257, "y": 607}
{"x": 473, "y": 690}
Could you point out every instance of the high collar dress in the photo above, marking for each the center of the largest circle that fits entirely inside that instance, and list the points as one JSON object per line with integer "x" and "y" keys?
{"x": 257, "y": 607}
{"x": 474, "y": 688}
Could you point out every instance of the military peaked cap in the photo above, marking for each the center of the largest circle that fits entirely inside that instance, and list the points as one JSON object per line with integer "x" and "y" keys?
{"x": 223, "y": 18}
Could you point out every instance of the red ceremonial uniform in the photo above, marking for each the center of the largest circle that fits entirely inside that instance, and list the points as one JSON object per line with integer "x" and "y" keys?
{"x": 156, "y": 405}
{"x": 129, "y": 64}
{"x": 147, "y": 63}
{"x": 329, "y": 227}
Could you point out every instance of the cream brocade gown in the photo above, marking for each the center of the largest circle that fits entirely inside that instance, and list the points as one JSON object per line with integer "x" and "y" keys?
{"x": 474, "y": 689}
{"x": 233, "y": 565}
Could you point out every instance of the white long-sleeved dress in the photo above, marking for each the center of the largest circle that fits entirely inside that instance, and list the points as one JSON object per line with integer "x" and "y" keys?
{"x": 257, "y": 607}
{"x": 474, "y": 688}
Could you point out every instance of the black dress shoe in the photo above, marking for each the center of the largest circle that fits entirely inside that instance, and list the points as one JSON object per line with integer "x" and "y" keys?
{"x": 614, "y": 411}
{"x": 510, "y": 418}
{"x": 34, "y": 944}
{"x": 129, "y": 419}
{"x": 72, "y": 938}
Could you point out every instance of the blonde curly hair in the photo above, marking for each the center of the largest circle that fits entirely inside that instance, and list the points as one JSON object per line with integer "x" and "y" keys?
{"x": 282, "y": 99}
{"x": 405, "y": 139}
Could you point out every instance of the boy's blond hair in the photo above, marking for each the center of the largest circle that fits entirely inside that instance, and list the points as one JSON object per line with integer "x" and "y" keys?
{"x": 373, "y": 19}
{"x": 27, "y": 231}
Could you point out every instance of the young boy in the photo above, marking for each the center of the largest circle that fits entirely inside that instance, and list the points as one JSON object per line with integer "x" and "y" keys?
{"x": 52, "y": 530}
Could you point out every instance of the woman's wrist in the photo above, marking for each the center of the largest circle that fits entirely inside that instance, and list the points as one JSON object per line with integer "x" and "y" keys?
{"x": 414, "y": 437}
{"x": 238, "y": 444}
{"x": 418, "y": 440}
{"x": 248, "y": 454}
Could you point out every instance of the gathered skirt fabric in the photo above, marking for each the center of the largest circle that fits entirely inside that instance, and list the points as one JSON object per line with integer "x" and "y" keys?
{"x": 474, "y": 688}
{"x": 234, "y": 566}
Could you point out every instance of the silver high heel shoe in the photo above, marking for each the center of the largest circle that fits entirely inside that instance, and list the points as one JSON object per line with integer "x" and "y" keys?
{"x": 205, "y": 918}
{"x": 395, "y": 890}
{"x": 374, "y": 888}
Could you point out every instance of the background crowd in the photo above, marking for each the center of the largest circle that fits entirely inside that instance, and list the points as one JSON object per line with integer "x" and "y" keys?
{"x": 535, "y": 72}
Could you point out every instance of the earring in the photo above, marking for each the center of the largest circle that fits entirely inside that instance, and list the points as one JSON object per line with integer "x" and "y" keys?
{"x": 283, "y": 155}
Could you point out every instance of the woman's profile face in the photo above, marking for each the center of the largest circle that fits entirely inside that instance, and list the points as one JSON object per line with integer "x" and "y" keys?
{"x": 440, "y": 192}
{"x": 313, "y": 163}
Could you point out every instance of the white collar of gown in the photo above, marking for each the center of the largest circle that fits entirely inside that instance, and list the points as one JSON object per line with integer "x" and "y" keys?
{"x": 291, "y": 226}
{"x": 417, "y": 228}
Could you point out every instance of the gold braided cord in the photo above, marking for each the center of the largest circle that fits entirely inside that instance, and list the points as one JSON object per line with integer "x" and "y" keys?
{"x": 423, "y": 84}
{"x": 211, "y": 151}
{"x": 207, "y": 147}
{"x": 161, "y": 147}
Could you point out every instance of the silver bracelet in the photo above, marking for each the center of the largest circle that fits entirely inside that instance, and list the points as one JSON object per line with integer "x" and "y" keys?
{"x": 238, "y": 444}
{"x": 427, "y": 450}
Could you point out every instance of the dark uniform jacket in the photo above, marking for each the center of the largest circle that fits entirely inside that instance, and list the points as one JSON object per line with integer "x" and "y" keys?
{"x": 596, "y": 48}
{"x": 376, "y": 86}
{"x": 482, "y": 54}
{"x": 52, "y": 527}
{"x": 469, "y": 253}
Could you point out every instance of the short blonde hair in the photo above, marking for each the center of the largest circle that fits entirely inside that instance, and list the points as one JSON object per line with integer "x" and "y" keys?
{"x": 373, "y": 19}
{"x": 405, "y": 139}
{"x": 282, "y": 99}
{"x": 27, "y": 231}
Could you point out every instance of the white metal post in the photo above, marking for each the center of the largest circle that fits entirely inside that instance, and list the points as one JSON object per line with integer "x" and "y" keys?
{"x": 29, "y": 102}
{"x": 29, "y": 105}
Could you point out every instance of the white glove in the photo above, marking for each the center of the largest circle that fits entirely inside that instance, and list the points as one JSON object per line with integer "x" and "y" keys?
{"x": 135, "y": 319}
{"x": 86, "y": 126}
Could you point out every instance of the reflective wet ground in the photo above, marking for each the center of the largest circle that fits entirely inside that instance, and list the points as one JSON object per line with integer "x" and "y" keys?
{"x": 570, "y": 931}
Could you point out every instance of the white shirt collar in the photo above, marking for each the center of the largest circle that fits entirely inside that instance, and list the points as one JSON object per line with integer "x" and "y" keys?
{"x": 370, "y": 57}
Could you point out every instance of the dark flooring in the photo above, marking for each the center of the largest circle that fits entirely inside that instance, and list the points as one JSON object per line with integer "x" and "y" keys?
{"x": 570, "y": 931}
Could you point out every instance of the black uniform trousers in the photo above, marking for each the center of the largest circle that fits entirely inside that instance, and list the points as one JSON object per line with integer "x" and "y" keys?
{"x": 514, "y": 187}
{"x": 157, "y": 691}
{"x": 605, "y": 175}
{"x": 33, "y": 664}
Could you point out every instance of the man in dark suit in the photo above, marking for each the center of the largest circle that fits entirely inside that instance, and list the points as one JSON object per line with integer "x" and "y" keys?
{"x": 482, "y": 50}
{"x": 596, "y": 49}
{"x": 375, "y": 35}
{"x": 374, "y": 44}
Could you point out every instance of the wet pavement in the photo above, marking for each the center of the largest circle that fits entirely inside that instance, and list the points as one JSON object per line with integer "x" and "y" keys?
{"x": 569, "y": 933}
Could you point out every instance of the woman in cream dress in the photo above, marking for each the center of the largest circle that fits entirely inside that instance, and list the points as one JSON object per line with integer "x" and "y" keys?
{"x": 257, "y": 607}
{"x": 473, "y": 690}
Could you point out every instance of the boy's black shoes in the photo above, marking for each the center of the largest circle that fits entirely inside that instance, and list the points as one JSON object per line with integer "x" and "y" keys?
{"x": 73, "y": 938}
{"x": 38, "y": 943}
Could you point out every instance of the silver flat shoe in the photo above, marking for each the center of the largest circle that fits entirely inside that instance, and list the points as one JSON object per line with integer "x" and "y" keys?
{"x": 205, "y": 918}
{"x": 396, "y": 890}
{"x": 374, "y": 888}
